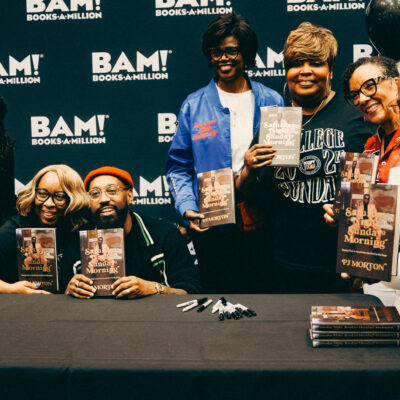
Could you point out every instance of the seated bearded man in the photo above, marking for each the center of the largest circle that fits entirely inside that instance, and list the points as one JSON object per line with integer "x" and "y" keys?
{"x": 157, "y": 260}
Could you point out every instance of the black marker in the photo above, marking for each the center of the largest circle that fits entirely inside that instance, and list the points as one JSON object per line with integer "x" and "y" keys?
{"x": 221, "y": 314}
{"x": 204, "y": 306}
{"x": 195, "y": 304}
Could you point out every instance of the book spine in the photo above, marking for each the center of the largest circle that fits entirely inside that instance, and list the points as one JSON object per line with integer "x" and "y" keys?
{"x": 356, "y": 327}
{"x": 356, "y": 343}
{"x": 357, "y": 335}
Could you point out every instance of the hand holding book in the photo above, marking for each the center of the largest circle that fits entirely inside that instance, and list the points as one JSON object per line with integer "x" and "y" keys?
{"x": 258, "y": 156}
{"x": 329, "y": 215}
{"x": 193, "y": 217}
{"x": 81, "y": 286}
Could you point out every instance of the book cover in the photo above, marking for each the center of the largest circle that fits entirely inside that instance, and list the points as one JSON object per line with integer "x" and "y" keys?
{"x": 216, "y": 197}
{"x": 281, "y": 128}
{"x": 360, "y": 334}
{"x": 103, "y": 258}
{"x": 368, "y": 236}
{"x": 354, "y": 168}
{"x": 37, "y": 257}
{"x": 325, "y": 318}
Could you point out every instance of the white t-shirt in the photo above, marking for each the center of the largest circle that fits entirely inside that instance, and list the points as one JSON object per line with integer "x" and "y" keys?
{"x": 241, "y": 108}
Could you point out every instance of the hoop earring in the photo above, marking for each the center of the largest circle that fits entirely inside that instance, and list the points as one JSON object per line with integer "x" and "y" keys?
{"x": 284, "y": 93}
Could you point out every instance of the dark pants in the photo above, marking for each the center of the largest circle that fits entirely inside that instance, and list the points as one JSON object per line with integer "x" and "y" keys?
{"x": 234, "y": 261}
{"x": 310, "y": 281}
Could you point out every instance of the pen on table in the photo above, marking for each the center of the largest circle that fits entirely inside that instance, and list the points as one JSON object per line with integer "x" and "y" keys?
{"x": 204, "y": 306}
{"x": 186, "y": 303}
{"x": 195, "y": 304}
{"x": 246, "y": 311}
{"x": 234, "y": 313}
{"x": 216, "y": 307}
{"x": 221, "y": 313}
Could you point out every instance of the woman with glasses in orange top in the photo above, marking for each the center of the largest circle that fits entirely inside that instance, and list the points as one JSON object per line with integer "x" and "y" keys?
{"x": 55, "y": 198}
{"x": 371, "y": 85}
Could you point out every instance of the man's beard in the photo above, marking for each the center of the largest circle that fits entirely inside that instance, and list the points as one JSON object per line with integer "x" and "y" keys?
{"x": 111, "y": 221}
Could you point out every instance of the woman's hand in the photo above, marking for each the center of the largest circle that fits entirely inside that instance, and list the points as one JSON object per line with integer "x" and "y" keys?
{"x": 258, "y": 156}
{"x": 194, "y": 218}
{"x": 21, "y": 287}
{"x": 329, "y": 215}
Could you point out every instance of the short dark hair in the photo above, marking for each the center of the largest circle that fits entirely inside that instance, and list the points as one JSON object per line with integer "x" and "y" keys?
{"x": 387, "y": 65}
{"x": 236, "y": 25}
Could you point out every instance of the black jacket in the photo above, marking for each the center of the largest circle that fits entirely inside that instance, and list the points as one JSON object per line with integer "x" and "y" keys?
{"x": 155, "y": 250}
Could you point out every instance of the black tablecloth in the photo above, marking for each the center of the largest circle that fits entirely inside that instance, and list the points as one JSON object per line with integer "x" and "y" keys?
{"x": 57, "y": 347}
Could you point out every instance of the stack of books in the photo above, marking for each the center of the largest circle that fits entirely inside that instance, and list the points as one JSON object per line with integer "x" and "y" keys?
{"x": 338, "y": 326}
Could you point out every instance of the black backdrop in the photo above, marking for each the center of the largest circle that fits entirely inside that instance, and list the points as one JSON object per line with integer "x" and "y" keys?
{"x": 100, "y": 82}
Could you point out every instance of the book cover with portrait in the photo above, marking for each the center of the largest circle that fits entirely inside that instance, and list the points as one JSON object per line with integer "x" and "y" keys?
{"x": 353, "y": 318}
{"x": 354, "y": 168}
{"x": 103, "y": 258}
{"x": 368, "y": 238}
{"x": 216, "y": 197}
{"x": 37, "y": 257}
{"x": 281, "y": 128}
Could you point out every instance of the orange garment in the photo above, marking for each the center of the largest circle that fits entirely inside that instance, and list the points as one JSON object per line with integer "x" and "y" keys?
{"x": 387, "y": 158}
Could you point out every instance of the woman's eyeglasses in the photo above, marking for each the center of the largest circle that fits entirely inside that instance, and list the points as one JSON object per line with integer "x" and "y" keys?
{"x": 59, "y": 198}
{"x": 231, "y": 53}
{"x": 368, "y": 88}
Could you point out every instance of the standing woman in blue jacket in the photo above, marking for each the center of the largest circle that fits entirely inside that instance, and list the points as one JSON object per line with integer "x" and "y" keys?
{"x": 217, "y": 123}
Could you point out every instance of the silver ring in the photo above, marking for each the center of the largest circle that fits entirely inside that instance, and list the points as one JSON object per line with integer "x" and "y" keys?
{"x": 77, "y": 284}
{"x": 255, "y": 160}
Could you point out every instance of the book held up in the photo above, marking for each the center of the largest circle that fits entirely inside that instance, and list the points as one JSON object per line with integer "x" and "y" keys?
{"x": 281, "y": 128}
{"x": 216, "y": 197}
{"x": 37, "y": 257}
{"x": 354, "y": 168}
{"x": 103, "y": 258}
{"x": 368, "y": 236}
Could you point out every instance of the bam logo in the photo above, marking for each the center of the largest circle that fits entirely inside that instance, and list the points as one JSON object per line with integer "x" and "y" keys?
{"x": 78, "y": 131}
{"x": 273, "y": 65}
{"x": 152, "y": 193}
{"x": 172, "y": 8}
{"x": 123, "y": 69}
{"x": 61, "y": 10}
{"x": 324, "y": 5}
{"x": 20, "y": 72}
{"x": 362, "y": 50}
{"x": 167, "y": 126}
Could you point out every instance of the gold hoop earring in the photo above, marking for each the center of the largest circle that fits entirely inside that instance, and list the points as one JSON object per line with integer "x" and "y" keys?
{"x": 284, "y": 93}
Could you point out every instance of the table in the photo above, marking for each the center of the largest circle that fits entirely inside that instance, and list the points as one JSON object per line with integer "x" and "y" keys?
{"x": 57, "y": 347}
